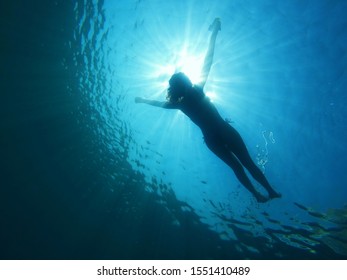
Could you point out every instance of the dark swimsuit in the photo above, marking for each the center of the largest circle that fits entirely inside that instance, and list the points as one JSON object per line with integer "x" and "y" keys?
{"x": 217, "y": 132}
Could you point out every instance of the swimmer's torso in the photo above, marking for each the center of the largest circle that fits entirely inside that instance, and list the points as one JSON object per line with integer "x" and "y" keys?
{"x": 203, "y": 113}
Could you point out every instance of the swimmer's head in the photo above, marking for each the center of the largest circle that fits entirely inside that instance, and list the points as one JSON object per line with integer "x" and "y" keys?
{"x": 179, "y": 85}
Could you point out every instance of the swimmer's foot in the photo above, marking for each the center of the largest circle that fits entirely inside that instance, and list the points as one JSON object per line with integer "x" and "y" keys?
{"x": 260, "y": 198}
{"x": 215, "y": 26}
{"x": 274, "y": 194}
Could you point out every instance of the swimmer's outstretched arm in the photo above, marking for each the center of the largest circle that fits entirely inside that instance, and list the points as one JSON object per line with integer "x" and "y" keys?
{"x": 161, "y": 104}
{"x": 215, "y": 27}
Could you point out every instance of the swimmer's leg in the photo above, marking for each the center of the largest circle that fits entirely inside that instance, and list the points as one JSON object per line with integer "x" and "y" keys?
{"x": 240, "y": 150}
{"x": 224, "y": 154}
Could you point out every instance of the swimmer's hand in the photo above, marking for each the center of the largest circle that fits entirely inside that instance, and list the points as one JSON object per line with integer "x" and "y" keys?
{"x": 215, "y": 25}
{"x": 139, "y": 100}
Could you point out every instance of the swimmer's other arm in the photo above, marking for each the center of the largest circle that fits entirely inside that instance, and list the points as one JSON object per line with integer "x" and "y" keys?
{"x": 161, "y": 104}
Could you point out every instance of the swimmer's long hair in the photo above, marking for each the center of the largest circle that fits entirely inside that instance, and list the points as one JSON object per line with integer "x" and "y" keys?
{"x": 181, "y": 87}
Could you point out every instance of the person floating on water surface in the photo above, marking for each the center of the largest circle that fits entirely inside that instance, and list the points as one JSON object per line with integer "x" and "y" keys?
{"x": 221, "y": 138}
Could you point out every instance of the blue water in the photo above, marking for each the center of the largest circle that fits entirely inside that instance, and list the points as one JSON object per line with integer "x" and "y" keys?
{"x": 89, "y": 174}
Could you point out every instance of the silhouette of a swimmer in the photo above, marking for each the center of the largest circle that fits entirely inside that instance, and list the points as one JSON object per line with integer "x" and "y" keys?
{"x": 220, "y": 137}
